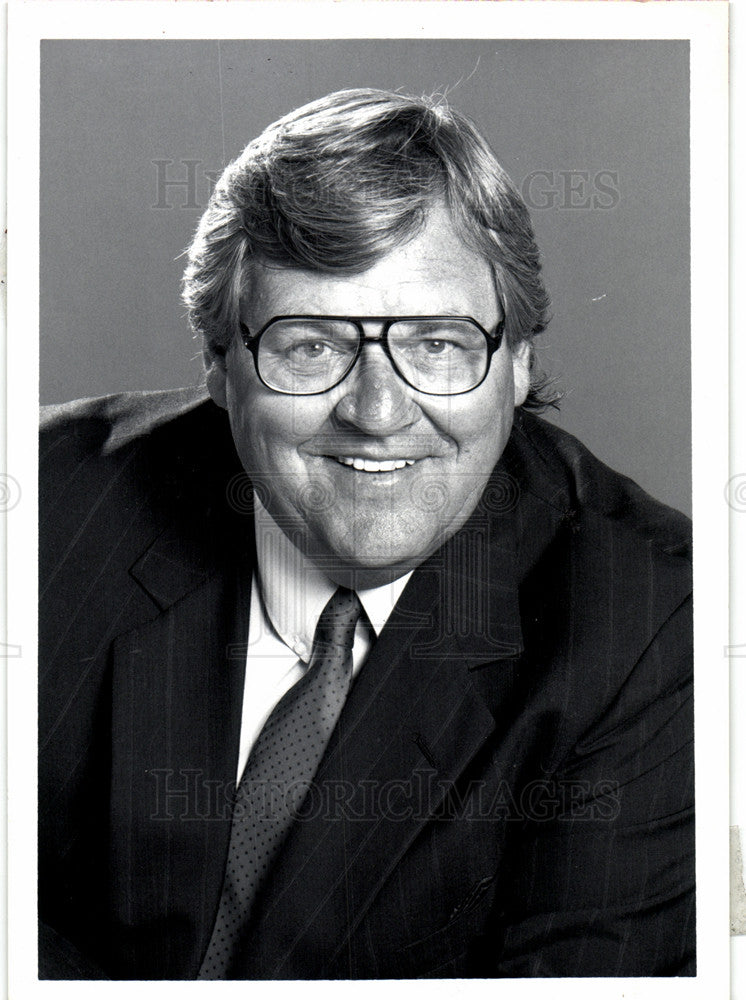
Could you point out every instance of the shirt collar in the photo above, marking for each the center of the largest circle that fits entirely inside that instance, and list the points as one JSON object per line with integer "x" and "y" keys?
{"x": 295, "y": 591}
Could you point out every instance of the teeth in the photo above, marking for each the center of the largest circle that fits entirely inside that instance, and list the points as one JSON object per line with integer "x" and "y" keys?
{"x": 370, "y": 465}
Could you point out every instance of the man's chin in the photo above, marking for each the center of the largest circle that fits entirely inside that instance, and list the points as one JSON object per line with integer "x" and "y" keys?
{"x": 369, "y": 565}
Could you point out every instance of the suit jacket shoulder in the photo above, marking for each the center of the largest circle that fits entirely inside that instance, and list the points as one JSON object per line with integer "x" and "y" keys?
{"x": 118, "y": 471}
{"x": 589, "y": 486}
{"x": 615, "y": 544}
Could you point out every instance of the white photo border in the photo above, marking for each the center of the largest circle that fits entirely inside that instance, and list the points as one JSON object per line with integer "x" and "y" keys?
{"x": 705, "y": 26}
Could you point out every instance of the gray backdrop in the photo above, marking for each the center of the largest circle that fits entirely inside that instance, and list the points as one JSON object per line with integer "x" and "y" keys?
{"x": 595, "y": 133}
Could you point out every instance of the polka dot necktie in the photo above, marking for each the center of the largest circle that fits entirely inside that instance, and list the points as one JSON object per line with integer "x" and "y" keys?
{"x": 276, "y": 780}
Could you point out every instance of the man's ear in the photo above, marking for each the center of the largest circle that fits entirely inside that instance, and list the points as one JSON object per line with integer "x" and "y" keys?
{"x": 521, "y": 371}
{"x": 216, "y": 374}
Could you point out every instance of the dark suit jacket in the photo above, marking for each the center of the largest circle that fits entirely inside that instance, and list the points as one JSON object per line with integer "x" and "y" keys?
{"x": 509, "y": 790}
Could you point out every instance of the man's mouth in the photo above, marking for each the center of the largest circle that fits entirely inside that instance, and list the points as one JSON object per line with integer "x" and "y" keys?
{"x": 373, "y": 465}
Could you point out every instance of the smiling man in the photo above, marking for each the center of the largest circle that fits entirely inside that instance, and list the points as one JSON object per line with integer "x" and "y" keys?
{"x": 370, "y": 418}
{"x": 365, "y": 671}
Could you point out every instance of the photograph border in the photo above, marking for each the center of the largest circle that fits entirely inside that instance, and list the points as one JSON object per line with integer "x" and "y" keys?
{"x": 705, "y": 25}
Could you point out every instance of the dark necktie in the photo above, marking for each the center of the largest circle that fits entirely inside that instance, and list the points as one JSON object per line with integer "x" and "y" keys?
{"x": 282, "y": 763}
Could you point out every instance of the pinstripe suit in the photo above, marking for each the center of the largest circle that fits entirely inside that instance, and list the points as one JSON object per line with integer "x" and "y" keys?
{"x": 508, "y": 791}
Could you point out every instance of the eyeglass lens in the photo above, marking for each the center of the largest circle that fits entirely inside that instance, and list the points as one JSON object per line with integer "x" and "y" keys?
{"x": 310, "y": 355}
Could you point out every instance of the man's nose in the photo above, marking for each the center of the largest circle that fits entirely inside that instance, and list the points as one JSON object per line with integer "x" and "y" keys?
{"x": 376, "y": 400}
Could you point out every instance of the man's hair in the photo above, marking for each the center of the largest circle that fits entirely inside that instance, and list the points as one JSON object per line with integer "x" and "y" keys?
{"x": 337, "y": 184}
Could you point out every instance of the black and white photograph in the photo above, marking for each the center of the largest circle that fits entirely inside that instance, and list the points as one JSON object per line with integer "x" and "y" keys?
{"x": 372, "y": 426}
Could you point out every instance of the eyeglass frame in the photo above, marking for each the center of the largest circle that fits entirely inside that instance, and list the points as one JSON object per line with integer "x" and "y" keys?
{"x": 251, "y": 343}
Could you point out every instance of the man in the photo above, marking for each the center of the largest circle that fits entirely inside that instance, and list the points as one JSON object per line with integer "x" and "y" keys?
{"x": 365, "y": 672}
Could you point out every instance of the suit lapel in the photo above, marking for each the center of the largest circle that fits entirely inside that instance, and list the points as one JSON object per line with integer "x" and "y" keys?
{"x": 413, "y": 722}
{"x": 177, "y": 689}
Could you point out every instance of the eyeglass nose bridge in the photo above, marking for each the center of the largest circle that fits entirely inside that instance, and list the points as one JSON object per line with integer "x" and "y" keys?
{"x": 381, "y": 337}
{"x": 385, "y": 323}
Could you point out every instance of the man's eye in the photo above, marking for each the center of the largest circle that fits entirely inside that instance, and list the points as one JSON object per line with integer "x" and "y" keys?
{"x": 309, "y": 350}
{"x": 437, "y": 347}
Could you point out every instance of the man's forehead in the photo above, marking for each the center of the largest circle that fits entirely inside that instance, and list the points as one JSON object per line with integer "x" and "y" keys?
{"x": 434, "y": 268}
{"x": 420, "y": 289}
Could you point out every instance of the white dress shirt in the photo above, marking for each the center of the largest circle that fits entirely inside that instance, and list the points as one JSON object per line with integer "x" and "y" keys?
{"x": 288, "y": 594}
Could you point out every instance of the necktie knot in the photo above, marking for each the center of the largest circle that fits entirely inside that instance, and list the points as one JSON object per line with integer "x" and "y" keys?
{"x": 338, "y": 620}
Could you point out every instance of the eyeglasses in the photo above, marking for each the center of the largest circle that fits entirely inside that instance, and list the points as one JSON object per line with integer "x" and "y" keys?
{"x": 437, "y": 355}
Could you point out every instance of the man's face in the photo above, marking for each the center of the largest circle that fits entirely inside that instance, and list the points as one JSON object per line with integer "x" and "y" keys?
{"x": 366, "y": 527}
